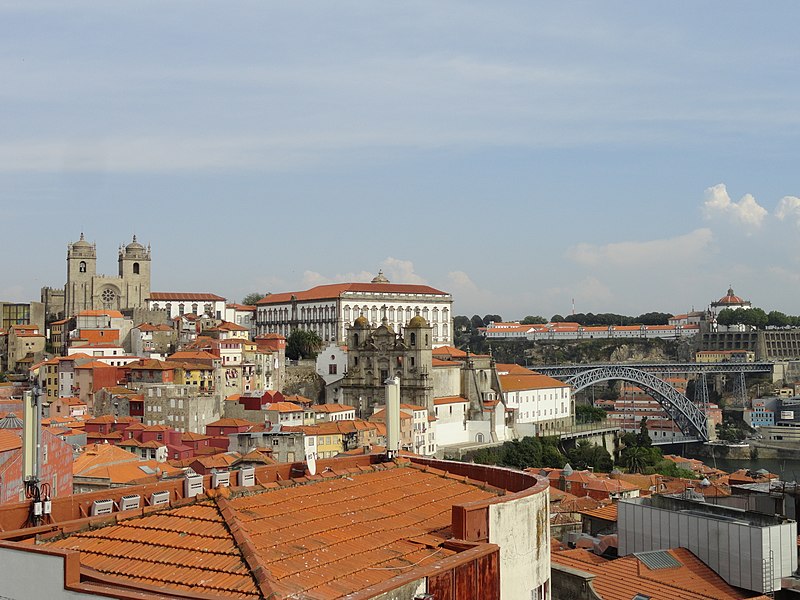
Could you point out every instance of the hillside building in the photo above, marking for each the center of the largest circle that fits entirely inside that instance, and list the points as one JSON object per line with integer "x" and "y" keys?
{"x": 328, "y": 310}
{"x": 85, "y": 289}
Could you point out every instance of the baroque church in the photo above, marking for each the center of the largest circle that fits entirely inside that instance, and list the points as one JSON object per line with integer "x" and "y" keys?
{"x": 86, "y": 290}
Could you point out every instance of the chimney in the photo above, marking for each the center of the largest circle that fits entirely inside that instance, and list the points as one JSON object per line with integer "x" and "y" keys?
{"x": 31, "y": 416}
{"x": 392, "y": 417}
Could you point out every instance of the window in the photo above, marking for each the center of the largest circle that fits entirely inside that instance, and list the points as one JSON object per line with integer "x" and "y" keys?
{"x": 82, "y": 266}
{"x": 275, "y": 441}
{"x": 332, "y": 369}
{"x": 135, "y": 268}
{"x": 413, "y": 339}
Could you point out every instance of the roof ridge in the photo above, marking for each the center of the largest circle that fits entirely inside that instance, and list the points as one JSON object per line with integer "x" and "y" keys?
{"x": 263, "y": 578}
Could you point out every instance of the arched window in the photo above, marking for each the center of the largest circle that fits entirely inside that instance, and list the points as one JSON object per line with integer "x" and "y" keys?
{"x": 391, "y": 313}
{"x": 194, "y": 308}
{"x": 207, "y": 308}
{"x": 435, "y": 315}
{"x": 155, "y": 306}
{"x": 82, "y": 266}
{"x": 135, "y": 268}
{"x": 413, "y": 339}
{"x": 355, "y": 339}
{"x": 169, "y": 308}
{"x": 374, "y": 314}
{"x": 347, "y": 314}
{"x": 425, "y": 313}
{"x": 479, "y": 438}
{"x": 181, "y": 309}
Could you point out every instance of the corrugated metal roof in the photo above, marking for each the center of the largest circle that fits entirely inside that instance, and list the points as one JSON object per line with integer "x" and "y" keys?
{"x": 658, "y": 559}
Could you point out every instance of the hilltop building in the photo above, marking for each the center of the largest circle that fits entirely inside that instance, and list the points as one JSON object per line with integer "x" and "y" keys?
{"x": 86, "y": 290}
{"x": 329, "y": 309}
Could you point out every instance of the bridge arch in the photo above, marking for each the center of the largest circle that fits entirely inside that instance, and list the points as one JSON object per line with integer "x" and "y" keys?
{"x": 690, "y": 419}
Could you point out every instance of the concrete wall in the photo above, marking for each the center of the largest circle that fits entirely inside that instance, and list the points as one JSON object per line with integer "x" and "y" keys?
{"x": 447, "y": 381}
{"x": 524, "y": 550}
{"x": 35, "y": 576}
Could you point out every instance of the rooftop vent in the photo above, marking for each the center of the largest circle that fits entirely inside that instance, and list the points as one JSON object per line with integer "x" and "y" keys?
{"x": 129, "y": 502}
{"x": 158, "y": 498}
{"x": 222, "y": 479}
{"x": 102, "y": 507}
{"x": 193, "y": 486}
{"x": 247, "y": 477}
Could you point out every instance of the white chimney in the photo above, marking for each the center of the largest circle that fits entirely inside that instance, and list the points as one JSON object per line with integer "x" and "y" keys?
{"x": 392, "y": 417}
{"x": 31, "y": 427}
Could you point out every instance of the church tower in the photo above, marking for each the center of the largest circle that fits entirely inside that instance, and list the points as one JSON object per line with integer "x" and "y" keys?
{"x": 81, "y": 270}
{"x": 134, "y": 271}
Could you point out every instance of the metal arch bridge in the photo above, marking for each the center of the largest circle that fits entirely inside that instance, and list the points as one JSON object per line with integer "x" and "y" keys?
{"x": 561, "y": 371}
{"x": 687, "y": 416}
{"x": 690, "y": 419}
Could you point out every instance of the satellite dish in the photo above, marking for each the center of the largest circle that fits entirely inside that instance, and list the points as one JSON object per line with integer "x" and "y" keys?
{"x": 312, "y": 463}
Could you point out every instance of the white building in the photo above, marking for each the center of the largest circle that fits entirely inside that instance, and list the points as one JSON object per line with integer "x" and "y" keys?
{"x": 330, "y": 309}
{"x": 541, "y": 404}
{"x": 181, "y": 303}
{"x": 332, "y": 366}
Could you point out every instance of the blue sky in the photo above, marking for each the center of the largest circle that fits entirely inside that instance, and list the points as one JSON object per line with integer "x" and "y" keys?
{"x": 631, "y": 156}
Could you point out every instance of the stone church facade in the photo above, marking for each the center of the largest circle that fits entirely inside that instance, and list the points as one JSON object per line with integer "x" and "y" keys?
{"x": 378, "y": 353}
{"x": 86, "y": 290}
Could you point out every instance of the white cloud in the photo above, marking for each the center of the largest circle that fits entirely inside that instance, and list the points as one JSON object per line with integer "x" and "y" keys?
{"x": 747, "y": 211}
{"x": 401, "y": 271}
{"x": 789, "y": 208}
{"x": 640, "y": 254}
{"x": 395, "y": 269}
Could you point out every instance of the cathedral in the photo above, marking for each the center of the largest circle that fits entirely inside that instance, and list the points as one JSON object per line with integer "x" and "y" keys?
{"x": 86, "y": 290}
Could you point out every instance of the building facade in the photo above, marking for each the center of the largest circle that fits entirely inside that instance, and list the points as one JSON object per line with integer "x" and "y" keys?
{"x": 329, "y": 309}
{"x": 376, "y": 354}
{"x": 86, "y": 290}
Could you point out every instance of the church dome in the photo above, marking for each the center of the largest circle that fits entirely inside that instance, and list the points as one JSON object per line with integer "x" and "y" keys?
{"x": 361, "y": 322}
{"x": 417, "y": 322}
{"x": 730, "y": 298}
{"x": 380, "y": 278}
{"x": 81, "y": 243}
{"x": 134, "y": 245}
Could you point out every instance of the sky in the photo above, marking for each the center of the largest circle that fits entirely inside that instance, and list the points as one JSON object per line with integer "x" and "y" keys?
{"x": 629, "y": 156}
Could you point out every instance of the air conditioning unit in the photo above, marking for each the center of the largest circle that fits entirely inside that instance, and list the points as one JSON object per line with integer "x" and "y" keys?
{"x": 193, "y": 486}
{"x": 129, "y": 502}
{"x": 158, "y": 498}
{"x": 222, "y": 479}
{"x": 247, "y": 477}
{"x": 102, "y": 507}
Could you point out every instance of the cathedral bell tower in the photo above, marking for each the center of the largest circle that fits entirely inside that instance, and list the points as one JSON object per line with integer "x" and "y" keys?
{"x": 81, "y": 269}
{"x": 134, "y": 271}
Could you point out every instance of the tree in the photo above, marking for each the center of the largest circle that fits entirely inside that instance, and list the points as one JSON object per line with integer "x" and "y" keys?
{"x": 556, "y": 319}
{"x": 586, "y": 454}
{"x": 776, "y": 318}
{"x": 252, "y": 298}
{"x": 492, "y": 318}
{"x": 533, "y": 320}
{"x": 476, "y": 322}
{"x": 461, "y": 323}
{"x": 302, "y": 343}
{"x": 585, "y": 413}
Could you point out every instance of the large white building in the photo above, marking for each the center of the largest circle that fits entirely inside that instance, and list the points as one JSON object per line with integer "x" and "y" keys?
{"x": 329, "y": 309}
{"x": 542, "y": 405}
{"x": 182, "y": 303}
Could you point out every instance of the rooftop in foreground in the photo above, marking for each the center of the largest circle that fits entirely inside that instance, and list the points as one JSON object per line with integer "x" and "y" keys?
{"x": 355, "y": 526}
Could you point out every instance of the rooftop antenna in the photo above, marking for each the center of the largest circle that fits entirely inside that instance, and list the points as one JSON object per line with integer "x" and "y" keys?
{"x": 573, "y": 306}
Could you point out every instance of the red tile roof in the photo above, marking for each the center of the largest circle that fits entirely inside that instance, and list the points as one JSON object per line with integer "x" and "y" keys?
{"x": 336, "y": 290}
{"x": 623, "y": 578}
{"x": 163, "y": 296}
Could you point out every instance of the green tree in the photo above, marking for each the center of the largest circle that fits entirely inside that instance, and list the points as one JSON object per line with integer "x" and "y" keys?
{"x": 556, "y": 319}
{"x": 461, "y": 324}
{"x": 586, "y": 454}
{"x": 585, "y": 413}
{"x": 302, "y": 343}
{"x": 725, "y": 317}
{"x": 533, "y": 320}
{"x": 776, "y": 318}
{"x": 476, "y": 322}
{"x": 492, "y": 318}
{"x": 252, "y": 298}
